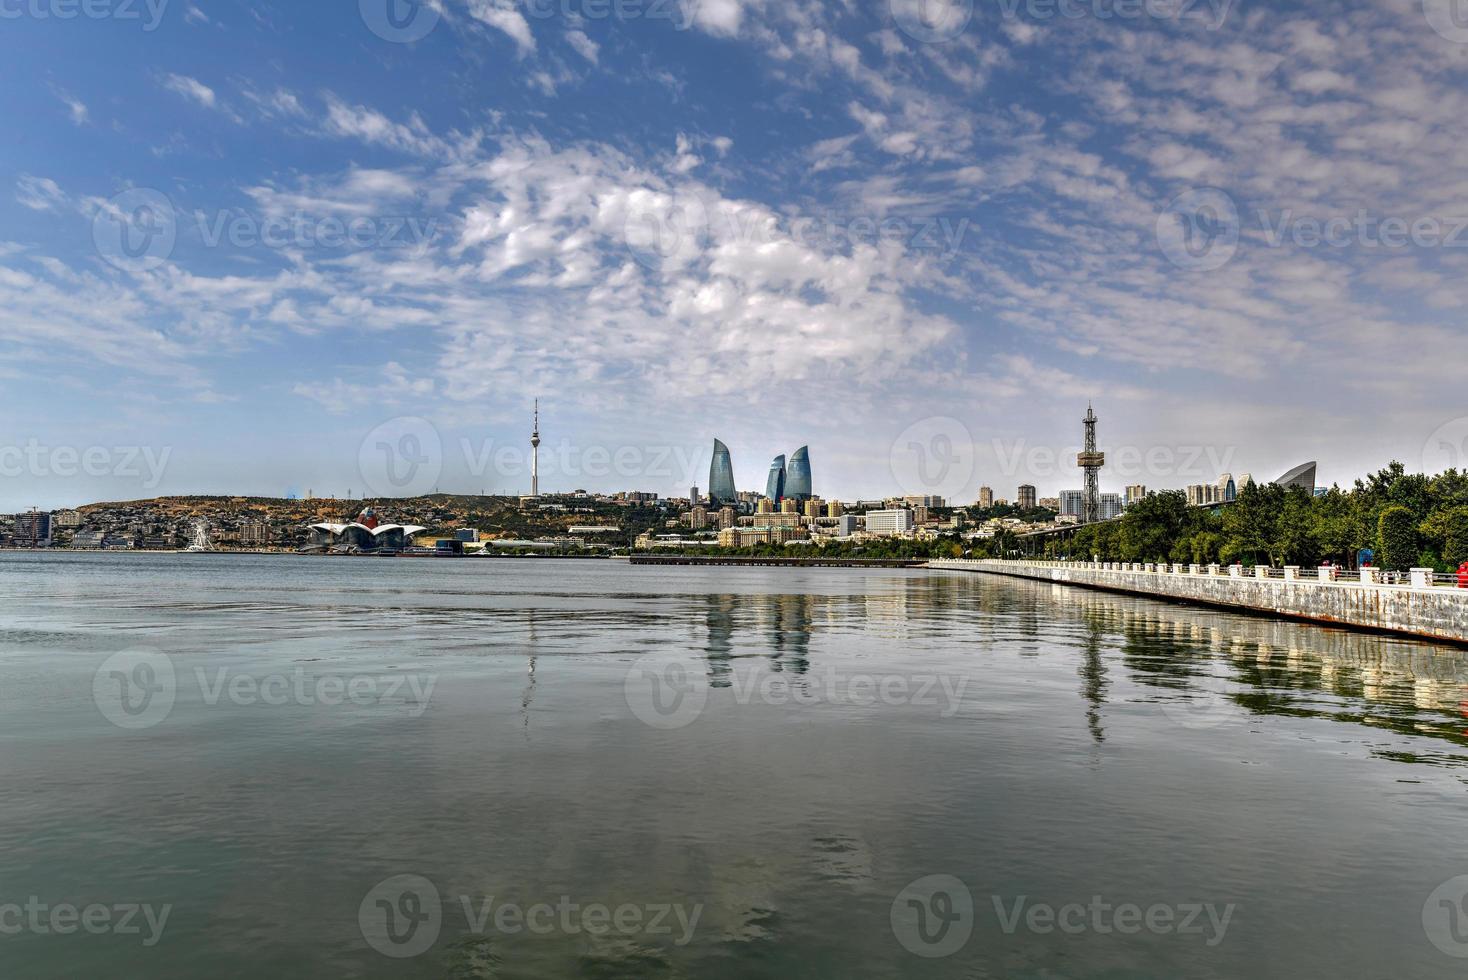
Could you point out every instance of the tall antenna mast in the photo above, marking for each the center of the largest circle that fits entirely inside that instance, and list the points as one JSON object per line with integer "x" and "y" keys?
{"x": 535, "y": 453}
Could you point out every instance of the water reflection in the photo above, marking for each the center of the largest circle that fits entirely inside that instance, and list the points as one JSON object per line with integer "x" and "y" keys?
{"x": 1267, "y": 666}
{"x": 1203, "y": 666}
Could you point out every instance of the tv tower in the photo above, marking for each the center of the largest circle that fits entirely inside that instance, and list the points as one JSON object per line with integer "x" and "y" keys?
{"x": 535, "y": 453}
{"x": 1091, "y": 461}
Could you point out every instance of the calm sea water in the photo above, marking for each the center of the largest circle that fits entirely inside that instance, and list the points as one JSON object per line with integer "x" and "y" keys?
{"x": 297, "y": 767}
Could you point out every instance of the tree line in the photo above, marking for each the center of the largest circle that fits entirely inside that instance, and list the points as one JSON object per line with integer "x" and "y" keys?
{"x": 1406, "y": 519}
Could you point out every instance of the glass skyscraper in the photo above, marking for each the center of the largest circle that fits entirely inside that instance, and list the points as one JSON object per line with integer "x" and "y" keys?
{"x": 721, "y": 476}
{"x": 775, "y": 484}
{"x": 797, "y": 475}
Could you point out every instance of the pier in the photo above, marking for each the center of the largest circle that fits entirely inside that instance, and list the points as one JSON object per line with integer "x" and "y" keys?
{"x": 779, "y": 562}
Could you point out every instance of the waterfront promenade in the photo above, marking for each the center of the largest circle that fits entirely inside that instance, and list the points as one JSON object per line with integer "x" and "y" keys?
{"x": 778, "y": 562}
{"x": 1355, "y": 599}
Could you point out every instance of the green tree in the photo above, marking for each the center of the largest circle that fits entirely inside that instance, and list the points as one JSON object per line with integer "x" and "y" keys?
{"x": 1396, "y": 534}
{"x": 1151, "y": 526}
{"x": 1294, "y": 541}
{"x": 1250, "y": 523}
{"x": 1446, "y": 532}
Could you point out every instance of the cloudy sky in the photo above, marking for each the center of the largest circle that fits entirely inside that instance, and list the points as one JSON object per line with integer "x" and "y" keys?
{"x": 272, "y": 246}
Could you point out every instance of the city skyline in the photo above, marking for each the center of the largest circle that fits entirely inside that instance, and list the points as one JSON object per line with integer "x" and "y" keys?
{"x": 418, "y": 445}
{"x": 176, "y": 273}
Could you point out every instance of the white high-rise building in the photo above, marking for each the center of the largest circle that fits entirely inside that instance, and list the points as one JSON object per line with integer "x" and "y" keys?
{"x": 889, "y": 522}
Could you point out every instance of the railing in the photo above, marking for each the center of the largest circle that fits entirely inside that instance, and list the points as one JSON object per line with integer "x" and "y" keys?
{"x": 1419, "y": 578}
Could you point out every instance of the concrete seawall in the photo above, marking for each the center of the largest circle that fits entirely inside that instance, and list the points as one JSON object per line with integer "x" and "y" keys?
{"x": 1420, "y": 610}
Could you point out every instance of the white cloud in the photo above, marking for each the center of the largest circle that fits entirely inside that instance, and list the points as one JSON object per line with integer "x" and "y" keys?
{"x": 503, "y": 16}
{"x": 584, "y": 45}
{"x": 40, "y": 193}
{"x": 190, "y": 88}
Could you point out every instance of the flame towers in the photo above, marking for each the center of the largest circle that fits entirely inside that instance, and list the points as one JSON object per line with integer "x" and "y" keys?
{"x": 721, "y": 476}
{"x": 775, "y": 482}
{"x": 797, "y": 475}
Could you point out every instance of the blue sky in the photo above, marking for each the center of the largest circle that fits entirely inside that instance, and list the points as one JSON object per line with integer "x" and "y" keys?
{"x": 269, "y": 245}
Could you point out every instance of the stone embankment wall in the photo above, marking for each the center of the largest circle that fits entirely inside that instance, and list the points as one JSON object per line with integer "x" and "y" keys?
{"x": 1418, "y": 609}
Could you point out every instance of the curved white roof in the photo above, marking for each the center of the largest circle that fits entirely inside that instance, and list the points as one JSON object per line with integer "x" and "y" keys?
{"x": 336, "y": 529}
